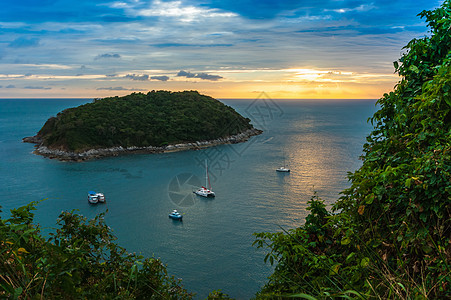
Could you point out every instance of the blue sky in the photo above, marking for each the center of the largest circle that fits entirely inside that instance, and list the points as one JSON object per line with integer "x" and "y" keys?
{"x": 226, "y": 49}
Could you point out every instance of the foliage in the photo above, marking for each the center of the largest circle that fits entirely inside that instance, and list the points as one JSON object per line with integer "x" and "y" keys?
{"x": 157, "y": 118}
{"x": 80, "y": 261}
{"x": 389, "y": 236}
{"x": 218, "y": 295}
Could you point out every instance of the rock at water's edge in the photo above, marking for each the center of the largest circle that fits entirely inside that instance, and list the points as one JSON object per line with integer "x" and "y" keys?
{"x": 115, "y": 151}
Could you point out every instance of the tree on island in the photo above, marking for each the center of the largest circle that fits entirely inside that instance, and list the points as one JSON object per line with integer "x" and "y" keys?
{"x": 389, "y": 235}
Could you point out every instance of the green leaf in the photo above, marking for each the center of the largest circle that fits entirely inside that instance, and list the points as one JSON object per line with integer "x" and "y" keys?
{"x": 408, "y": 182}
{"x": 365, "y": 262}
{"x": 423, "y": 217}
{"x": 369, "y": 199}
{"x": 345, "y": 241}
{"x": 359, "y": 295}
{"x": 17, "y": 292}
{"x": 304, "y": 296}
{"x": 448, "y": 100}
{"x": 334, "y": 270}
{"x": 350, "y": 256}
{"x": 414, "y": 68}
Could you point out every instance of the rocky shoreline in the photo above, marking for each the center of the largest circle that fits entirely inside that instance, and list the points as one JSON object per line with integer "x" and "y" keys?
{"x": 115, "y": 151}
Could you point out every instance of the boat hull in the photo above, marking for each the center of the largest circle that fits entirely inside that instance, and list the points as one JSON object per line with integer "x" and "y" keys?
{"x": 92, "y": 200}
{"x": 205, "y": 194}
{"x": 175, "y": 217}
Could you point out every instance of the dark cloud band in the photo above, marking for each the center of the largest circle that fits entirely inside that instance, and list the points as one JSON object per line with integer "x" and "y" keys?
{"x": 204, "y": 76}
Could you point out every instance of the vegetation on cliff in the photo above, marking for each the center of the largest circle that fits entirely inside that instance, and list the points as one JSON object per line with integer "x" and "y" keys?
{"x": 389, "y": 235}
{"x": 157, "y": 118}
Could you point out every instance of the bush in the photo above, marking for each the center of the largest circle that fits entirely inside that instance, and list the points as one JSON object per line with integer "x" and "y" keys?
{"x": 80, "y": 261}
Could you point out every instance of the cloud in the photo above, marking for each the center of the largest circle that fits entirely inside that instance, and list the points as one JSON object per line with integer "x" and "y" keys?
{"x": 186, "y": 74}
{"x": 107, "y": 55}
{"x": 119, "y": 88}
{"x": 23, "y": 42}
{"x": 161, "y": 78}
{"x": 203, "y": 76}
{"x": 137, "y": 77}
{"x": 37, "y": 88}
{"x": 146, "y": 77}
{"x": 173, "y": 9}
{"x": 173, "y": 45}
{"x": 206, "y": 76}
{"x": 360, "y": 8}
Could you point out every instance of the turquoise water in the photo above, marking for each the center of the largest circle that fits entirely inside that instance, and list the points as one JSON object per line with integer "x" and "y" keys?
{"x": 212, "y": 248}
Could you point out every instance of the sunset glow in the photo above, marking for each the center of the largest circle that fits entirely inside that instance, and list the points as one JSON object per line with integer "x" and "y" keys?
{"x": 289, "y": 49}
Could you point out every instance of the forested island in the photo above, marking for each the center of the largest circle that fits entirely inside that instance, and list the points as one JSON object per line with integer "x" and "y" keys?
{"x": 145, "y": 123}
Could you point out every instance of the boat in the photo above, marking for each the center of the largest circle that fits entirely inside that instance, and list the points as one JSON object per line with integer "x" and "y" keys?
{"x": 101, "y": 197}
{"x": 175, "y": 215}
{"x": 283, "y": 168}
{"x": 92, "y": 197}
{"x": 203, "y": 191}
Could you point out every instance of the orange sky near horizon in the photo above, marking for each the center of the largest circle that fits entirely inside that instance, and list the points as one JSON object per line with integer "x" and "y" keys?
{"x": 277, "y": 84}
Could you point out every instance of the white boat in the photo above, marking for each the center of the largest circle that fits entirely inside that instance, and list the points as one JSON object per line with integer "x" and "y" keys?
{"x": 283, "y": 169}
{"x": 92, "y": 197}
{"x": 175, "y": 215}
{"x": 100, "y": 197}
{"x": 203, "y": 191}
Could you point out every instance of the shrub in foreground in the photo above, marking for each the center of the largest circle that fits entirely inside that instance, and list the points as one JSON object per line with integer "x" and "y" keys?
{"x": 79, "y": 261}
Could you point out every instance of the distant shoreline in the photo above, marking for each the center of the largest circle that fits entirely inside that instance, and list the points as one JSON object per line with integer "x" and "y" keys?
{"x": 119, "y": 150}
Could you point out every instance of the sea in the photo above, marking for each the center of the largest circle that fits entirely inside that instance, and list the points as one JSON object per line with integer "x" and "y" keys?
{"x": 211, "y": 249}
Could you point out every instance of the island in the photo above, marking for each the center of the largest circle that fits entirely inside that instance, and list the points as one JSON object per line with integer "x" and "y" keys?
{"x": 159, "y": 121}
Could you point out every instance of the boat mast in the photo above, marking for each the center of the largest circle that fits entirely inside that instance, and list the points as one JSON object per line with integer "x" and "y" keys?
{"x": 207, "y": 178}
{"x": 284, "y": 159}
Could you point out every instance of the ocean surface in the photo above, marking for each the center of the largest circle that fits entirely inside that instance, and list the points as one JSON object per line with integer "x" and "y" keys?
{"x": 320, "y": 140}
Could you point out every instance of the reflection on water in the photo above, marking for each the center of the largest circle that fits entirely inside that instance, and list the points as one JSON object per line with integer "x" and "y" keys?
{"x": 212, "y": 247}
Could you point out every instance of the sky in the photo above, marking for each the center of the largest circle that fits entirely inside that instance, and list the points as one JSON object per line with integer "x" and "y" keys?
{"x": 300, "y": 49}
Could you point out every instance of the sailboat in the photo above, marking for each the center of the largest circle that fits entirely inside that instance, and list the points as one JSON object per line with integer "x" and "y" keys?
{"x": 283, "y": 168}
{"x": 203, "y": 191}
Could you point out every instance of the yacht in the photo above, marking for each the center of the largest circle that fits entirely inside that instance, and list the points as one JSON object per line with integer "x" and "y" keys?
{"x": 203, "y": 191}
